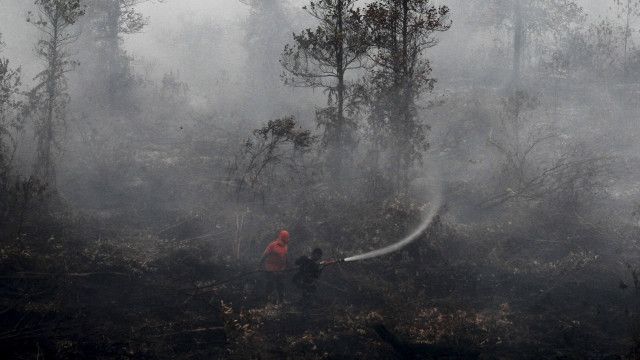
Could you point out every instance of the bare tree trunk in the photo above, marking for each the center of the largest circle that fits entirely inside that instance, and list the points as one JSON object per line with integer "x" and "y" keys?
{"x": 240, "y": 214}
{"x": 113, "y": 47}
{"x": 45, "y": 166}
{"x": 339, "y": 126}
{"x": 627, "y": 34}
{"x": 518, "y": 42}
{"x": 405, "y": 98}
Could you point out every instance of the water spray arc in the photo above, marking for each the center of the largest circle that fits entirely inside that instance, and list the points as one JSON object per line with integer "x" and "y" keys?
{"x": 400, "y": 244}
{"x": 435, "y": 203}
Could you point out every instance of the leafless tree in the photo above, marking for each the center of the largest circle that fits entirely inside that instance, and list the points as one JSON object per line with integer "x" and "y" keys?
{"x": 10, "y": 121}
{"x": 526, "y": 175}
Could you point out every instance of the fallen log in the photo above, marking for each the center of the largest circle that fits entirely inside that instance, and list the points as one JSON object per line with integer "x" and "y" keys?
{"x": 192, "y": 331}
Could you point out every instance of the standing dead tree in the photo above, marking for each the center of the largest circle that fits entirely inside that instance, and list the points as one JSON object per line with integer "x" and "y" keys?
{"x": 270, "y": 159}
{"x": 531, "y": 168}
{"x": 108, "y": 78}
{"x": 628, "y": 9}
{"x": 9, "y": 120}
{"x": 10, "y": 123}
{"x": 267, "y": 29}
{"x": 267, "y": 148}
{"x": 49, "y": 98}
{"x": 16, "y": 194}
{"x": 528, "y": 23}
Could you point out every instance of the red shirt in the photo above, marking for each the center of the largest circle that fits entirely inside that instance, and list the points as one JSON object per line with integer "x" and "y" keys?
{"x": 275, "y": 256}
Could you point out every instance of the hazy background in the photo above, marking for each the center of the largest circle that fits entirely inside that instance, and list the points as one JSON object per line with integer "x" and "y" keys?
{"x": 179, "y": 152}
{"x": 227, "y": 16}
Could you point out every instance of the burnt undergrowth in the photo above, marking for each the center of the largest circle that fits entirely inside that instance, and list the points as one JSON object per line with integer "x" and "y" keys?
{"x": 93, "y": 290}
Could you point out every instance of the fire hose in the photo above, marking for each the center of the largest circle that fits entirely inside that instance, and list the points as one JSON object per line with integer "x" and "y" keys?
{"x": 323, "y": 264}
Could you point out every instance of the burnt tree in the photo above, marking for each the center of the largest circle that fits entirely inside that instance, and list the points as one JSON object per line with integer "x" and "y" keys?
{"x": 323, "y": 57}
{"x": 49, "y": 98}
{"x": 400, "y": 32}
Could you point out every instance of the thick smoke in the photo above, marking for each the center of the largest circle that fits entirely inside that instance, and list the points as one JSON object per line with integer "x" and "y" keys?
{"x": 487, "y": 157}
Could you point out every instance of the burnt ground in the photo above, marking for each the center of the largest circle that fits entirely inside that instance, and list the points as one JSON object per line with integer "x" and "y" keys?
{"x": 450, "y": 312}
{"x": 109, "y": 299}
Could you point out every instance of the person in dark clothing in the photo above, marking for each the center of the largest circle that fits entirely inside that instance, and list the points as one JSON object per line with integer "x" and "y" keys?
{"x": 309, "y": 269}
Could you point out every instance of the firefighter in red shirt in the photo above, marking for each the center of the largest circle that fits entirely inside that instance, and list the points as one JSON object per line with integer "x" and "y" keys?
{"x": 274, "y": 262}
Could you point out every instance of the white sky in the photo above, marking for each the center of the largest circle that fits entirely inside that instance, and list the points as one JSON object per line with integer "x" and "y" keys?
{"x": 163, "y": 18}
{"x": 166, "y": 13}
